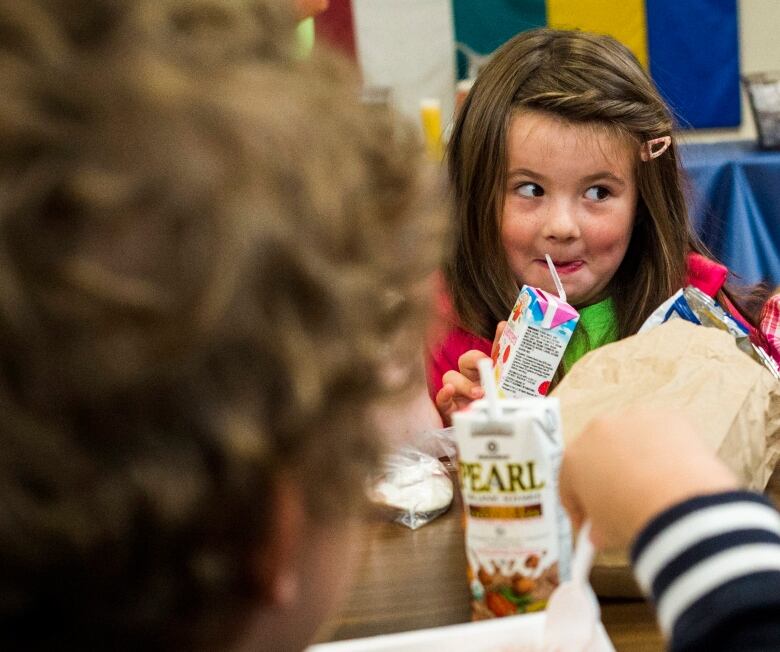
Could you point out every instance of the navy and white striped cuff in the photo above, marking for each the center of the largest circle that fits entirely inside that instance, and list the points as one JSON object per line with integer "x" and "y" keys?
{"x": 699, "y": 545}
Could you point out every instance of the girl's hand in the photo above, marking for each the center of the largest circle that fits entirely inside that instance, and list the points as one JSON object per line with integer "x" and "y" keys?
{"x": 462, "y": 387}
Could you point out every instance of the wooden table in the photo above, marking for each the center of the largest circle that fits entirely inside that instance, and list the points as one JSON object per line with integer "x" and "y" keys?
{"x": 416, "y": 579}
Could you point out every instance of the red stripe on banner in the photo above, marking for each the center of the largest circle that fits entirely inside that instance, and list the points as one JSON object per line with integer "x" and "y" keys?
{"x": 335, "y": 26}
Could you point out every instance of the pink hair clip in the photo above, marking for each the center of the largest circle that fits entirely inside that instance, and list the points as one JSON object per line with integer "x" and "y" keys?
{"x": 654, "y": 147}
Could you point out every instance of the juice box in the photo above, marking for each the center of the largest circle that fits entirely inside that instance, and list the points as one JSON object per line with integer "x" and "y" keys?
{"x": 533, "y": 343}
{"x": 518, "y": 536}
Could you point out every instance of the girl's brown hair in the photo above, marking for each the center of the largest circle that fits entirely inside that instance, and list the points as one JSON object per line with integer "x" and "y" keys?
{"x": 581, "y": 78}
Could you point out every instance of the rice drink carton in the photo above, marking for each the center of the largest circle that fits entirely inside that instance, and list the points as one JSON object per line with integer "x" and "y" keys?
{"x": 518, "y": 537}
{"x": 533, "y": 343}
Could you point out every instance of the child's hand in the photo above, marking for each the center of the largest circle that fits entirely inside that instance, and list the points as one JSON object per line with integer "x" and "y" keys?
{"x": 625, "y": 469}
{"x": 462, "y": 387}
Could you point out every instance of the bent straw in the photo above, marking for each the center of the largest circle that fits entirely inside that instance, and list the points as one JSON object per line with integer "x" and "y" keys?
{"x": 583, "y": 555}
{"x": 556, "y": 278}
{"x": 485, "y": 366}
{"x": 572, "y": 610}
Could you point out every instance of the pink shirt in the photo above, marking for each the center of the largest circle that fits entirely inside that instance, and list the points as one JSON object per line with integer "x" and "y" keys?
{"x": 453, "y": 341}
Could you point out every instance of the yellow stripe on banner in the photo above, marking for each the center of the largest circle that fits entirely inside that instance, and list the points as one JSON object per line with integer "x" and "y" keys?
{"x": 623, "y": 19}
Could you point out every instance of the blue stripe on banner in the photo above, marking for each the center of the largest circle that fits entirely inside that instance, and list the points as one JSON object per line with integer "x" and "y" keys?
{"x": 694, "y": 59}
{"x": 485, "y": 25}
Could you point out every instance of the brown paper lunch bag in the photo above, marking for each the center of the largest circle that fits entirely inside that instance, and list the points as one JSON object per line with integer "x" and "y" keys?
{"x": 694, "y": 370}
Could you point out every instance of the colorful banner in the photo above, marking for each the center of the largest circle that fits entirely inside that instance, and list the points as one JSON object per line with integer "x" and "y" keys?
{"x": 690, "y": 47}
{"x": 622, "y": 19}
{"x": 694, "y": 59}
{"x": 485, "y": 25}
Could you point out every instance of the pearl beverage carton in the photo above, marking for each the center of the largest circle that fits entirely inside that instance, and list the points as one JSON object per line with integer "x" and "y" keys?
{"x": 533, "y": 342}
{"x": 518, "y": 537}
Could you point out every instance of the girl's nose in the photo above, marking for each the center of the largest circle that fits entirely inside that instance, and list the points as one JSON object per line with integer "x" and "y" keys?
{"x": 561, "y": 223}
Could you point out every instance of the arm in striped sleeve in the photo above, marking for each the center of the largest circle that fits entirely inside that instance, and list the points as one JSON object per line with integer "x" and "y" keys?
{"x": 711, "y": 564}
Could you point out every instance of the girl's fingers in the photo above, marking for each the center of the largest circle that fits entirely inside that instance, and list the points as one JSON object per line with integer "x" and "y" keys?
{"x": 459, "y": 388}
{"x": 467, "y": 363}
{"x": 444, "y": 400}
{"x": 464, "y": 387}
{"x": 448, "y": 401}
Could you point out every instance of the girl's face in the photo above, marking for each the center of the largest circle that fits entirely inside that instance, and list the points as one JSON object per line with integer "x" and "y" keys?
{"x": 570, "y": 193}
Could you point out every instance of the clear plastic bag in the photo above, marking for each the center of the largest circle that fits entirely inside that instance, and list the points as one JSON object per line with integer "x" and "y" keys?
{"x": 413, "y": 487}
{"x": 436, "y": 442}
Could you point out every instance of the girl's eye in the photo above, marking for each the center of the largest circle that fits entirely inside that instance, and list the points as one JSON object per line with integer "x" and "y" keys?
{"x": 530, "y": 190}
{"x": 597, "y": 193}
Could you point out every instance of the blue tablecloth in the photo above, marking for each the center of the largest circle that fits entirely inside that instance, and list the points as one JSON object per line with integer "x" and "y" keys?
{"x": 735, "y": 205}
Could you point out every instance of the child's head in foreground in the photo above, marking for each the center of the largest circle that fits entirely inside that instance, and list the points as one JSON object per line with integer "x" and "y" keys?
{"x": 551, "y": 154}
{"x": 209, "y": 256}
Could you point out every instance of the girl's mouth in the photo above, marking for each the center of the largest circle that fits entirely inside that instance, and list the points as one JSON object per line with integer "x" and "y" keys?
{"x": 564, "y": 266}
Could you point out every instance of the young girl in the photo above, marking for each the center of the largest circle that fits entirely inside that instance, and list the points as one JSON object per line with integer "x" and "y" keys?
{"x": 563, "y": 147}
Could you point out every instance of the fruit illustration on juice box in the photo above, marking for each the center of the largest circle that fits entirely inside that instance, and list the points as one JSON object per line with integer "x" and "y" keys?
{"x": 532, "y": 344}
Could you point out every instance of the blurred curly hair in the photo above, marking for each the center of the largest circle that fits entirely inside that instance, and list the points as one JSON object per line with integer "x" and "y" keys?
{"x": 213, "y": 263}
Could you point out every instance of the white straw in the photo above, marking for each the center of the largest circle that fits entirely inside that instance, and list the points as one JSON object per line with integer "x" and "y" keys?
{"x": 556, "y": 278}
{"x": 583, "y": 555}
{"x": 485, "y": 366}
